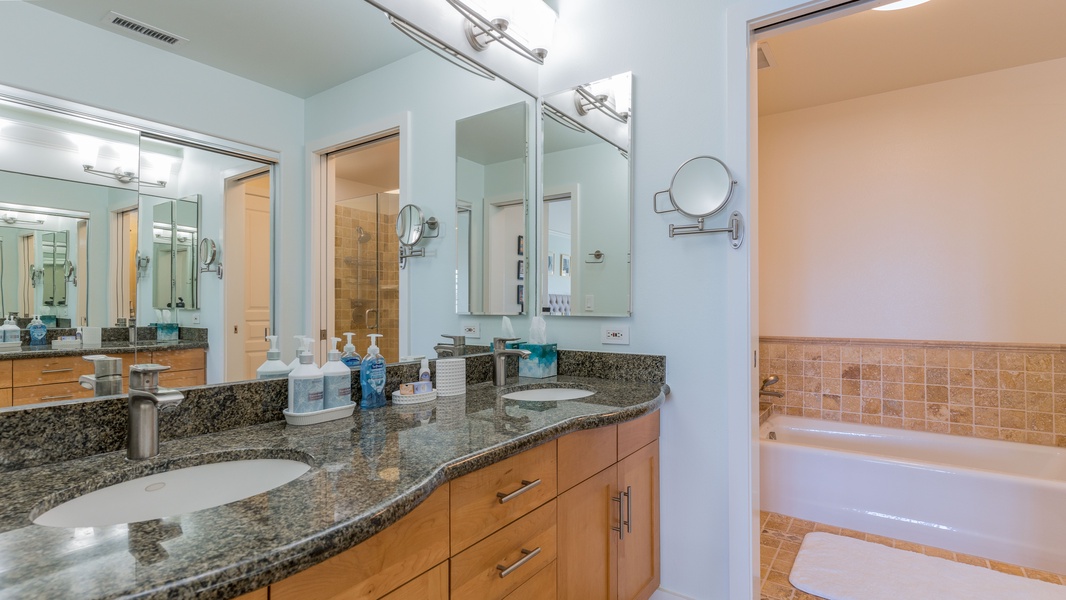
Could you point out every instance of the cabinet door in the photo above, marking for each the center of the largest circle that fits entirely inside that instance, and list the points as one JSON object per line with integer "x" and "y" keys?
{"x": 587, "y": 542}
{"x": 638, "y": 550}
{"x": 431, "y": 585}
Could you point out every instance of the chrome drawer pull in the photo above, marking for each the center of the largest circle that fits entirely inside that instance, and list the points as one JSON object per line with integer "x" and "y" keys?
{"x": 529, "y": 554}
{"x": 629, "y": 509}
{"x": 526, "y": 486}
{"x": 56, "y": 371}
{"x": 621, "y": 519}
{"x": 58, "y": 397}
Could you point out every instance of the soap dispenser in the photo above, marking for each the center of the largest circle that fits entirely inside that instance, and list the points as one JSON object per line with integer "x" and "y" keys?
{"x": 38, "y": 332}
{"x": 372, "y": 376}
{"x": 274, "y": 367}
{"x": 423, "y": 370}
{"x": 336, "y": 380}
{"x": 10, "y": 332}
{"x": 302, "y": 343}
{"x": 350, "y": 357}
{"x": 305, "y": 385}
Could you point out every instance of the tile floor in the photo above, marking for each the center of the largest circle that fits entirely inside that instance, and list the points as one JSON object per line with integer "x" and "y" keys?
{"x": 782, "y": 535}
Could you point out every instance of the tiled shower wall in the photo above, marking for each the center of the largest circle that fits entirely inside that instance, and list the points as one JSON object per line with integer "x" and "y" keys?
{"x": 998, "y": 391}
{"x": 367, "y": 276}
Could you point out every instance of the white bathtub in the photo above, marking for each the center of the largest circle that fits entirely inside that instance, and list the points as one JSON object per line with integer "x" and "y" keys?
{"x": 1000, "y": 500}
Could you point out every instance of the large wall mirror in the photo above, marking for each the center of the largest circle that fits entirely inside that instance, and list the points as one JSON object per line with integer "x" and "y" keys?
{"x": 490, "y": 198}
{"x": 100, "y": 225}
{"x": 586, "y": 206}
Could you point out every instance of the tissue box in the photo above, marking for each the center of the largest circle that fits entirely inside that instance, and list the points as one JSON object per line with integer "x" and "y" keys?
{"x": 166, "y": 332}
{"x": 543, "y": 360}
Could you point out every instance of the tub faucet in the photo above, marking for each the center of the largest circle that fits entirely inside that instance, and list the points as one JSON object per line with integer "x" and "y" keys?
{"x": 500, "y": 352}
{"x": 146, "y": 400}
{"x": 770, "y": 380}
{"x": 456, "y": 348}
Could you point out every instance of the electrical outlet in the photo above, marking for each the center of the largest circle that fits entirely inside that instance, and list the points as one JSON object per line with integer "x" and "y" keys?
{"x": 472, "y": 330}
{"x": 196, "y": 319}
{"x": 615, "y": 334}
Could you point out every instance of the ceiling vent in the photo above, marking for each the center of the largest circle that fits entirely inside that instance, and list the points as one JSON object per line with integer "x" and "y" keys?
{"x": 133, "y": 25}
{"x": 765, "y": 58}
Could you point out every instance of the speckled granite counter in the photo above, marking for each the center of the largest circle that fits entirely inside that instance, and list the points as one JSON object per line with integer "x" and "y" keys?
{"x": 105, "y": 348}
{"x": 367, "y": 472}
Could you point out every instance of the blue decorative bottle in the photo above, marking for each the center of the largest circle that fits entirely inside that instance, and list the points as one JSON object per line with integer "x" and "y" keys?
{"x": 38, "y": 332}
{"x": 372, "y": 376}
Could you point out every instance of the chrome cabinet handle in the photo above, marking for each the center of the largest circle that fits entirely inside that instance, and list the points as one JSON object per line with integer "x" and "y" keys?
{"x": 529, "y": 554}
{"x": 526, "y": 486}
{"x": 56, "y": 371}
{"x": 58, "y": 397}
{"x": 621, "y": 520}
{"x": 629, "y": 509}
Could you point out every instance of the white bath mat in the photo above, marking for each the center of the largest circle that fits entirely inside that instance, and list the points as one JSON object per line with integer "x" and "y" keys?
{"x": 843, "y": 568}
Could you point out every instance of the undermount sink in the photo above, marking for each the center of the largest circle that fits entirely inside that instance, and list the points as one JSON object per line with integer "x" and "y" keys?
{"x": 174, "y": 492}
{"x": 548, "y": 394}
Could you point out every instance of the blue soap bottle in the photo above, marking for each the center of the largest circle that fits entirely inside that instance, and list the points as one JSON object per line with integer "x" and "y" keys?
{"x": 372, "y": 376}
{"x": 350, "y": 358}
{"x": 38, "y": 332}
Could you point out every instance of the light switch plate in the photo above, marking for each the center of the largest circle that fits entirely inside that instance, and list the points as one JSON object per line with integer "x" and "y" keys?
{"x": 196, "y": 319}
{"x": 472, "y": 330}
{"x": 615, "y": 334}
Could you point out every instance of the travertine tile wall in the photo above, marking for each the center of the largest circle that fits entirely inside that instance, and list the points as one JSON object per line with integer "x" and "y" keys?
{"x": 999, "y": 391}
{"x": 367, "y": 275}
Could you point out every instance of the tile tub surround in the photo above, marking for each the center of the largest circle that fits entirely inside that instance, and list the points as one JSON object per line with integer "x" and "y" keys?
{"x": 367, "y": 472}
{"x": 1011, "y": 392}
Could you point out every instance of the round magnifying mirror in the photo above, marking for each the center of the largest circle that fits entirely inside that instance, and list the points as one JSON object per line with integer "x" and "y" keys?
{"x": 68, "y": 269}
{"x": 207, "y": 251}
{"x": 701, "y": 187}
{"x": 409, "y": 225}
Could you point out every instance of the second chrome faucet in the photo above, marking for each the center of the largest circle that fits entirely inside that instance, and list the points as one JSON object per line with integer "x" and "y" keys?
{"x": 146, "y": 400}
{"x": 500, "y": 352}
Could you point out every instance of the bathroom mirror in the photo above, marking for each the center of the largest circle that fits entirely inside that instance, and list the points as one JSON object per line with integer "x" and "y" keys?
{"x": 585, "y": 222}
{"x": 409, "y": 225}
{"x": 175, "y": 234}
{"x": 701, "y": 187}
{"x": 491, "y": 215}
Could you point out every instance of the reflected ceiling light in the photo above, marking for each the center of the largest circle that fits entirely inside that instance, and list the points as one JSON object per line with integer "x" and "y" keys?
{"x": 901, "y": 4}
{"x": 123, "y": 176}
{"x": 524, "y": 26}
{"x": 601, "y": 96}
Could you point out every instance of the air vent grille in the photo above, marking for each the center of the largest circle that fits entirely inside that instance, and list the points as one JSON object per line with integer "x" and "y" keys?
{"x": 144, "y": 29}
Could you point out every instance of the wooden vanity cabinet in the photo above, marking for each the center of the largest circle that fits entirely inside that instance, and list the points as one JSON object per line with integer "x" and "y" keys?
{"x": 187, "y": 367}
{"x": 609, "y": 522}
{"x": 401, "y": 554}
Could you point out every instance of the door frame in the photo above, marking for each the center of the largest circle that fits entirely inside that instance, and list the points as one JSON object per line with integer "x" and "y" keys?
{"x": 742, "y": 267}
{"x": 322, "y": 231}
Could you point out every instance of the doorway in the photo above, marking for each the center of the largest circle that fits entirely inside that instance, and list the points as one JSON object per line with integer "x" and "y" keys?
{"x": 247, "y": 276}
{"x": 362, "y": 267}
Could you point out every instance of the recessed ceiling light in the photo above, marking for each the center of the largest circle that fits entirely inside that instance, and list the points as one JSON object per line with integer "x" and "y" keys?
{"x": 901, "y": 4}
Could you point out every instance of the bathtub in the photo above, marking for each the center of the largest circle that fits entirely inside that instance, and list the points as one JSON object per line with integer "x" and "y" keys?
{"x": 999, "y": 500}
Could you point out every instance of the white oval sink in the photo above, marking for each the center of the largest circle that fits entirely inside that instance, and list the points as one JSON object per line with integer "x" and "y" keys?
{"x": 173, "y": 493}
{"x": 548, "y": 394}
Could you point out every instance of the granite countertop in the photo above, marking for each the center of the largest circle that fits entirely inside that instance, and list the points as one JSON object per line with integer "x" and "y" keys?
{"x": 47, "y": 351}
{"x": 366, "y": 472}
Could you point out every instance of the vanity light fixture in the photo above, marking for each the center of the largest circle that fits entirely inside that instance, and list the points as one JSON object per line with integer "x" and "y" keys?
{"x": 901, "y": 4}
{"x": 11, "y": 220}
{"x": 559, "y": 117}
{"x": 602, "y": 97}
{"x": 442, "y": 50}
{"x": 524, "y": 26}
{"x": 123, "y": 176}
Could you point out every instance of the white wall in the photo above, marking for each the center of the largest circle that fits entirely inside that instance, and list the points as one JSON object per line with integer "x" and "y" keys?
{"x": 173, "y": 91}
{"x": 933, "y": 212}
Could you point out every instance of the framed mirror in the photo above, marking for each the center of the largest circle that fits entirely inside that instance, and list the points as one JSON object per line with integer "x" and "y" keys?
{"x": 585, "y": 222}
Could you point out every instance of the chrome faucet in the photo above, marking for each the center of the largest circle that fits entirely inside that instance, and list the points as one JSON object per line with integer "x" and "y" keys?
{"x": 106, "y": 379}
{"x": 500, "y": 352}
{"x": 770, "y": 380}
{"x": 146, "y": 400}
{"x": 456, "y": 348}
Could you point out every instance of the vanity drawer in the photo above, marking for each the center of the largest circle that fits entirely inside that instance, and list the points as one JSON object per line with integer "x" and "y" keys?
{"x": 181, "y": 360}
{"x": 541, "y": 586}
{"x": 59, "y": 369}
{"x": 634, "y": 435}
{"x": 53, "y": 392}
{"x": 582, "y": 454}
{"x": 381, "y": 564}
{"x": 489, "y": 498}
{"x": 499, "y": 564}
{"x": 5, "y": 373}
{"x": 5, "y": 397}
{"x": 431, "y": 585}
{"x": 177, "y": 379}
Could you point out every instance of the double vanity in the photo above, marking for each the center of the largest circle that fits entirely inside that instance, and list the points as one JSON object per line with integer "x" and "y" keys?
{"x": 475, "y": 496}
